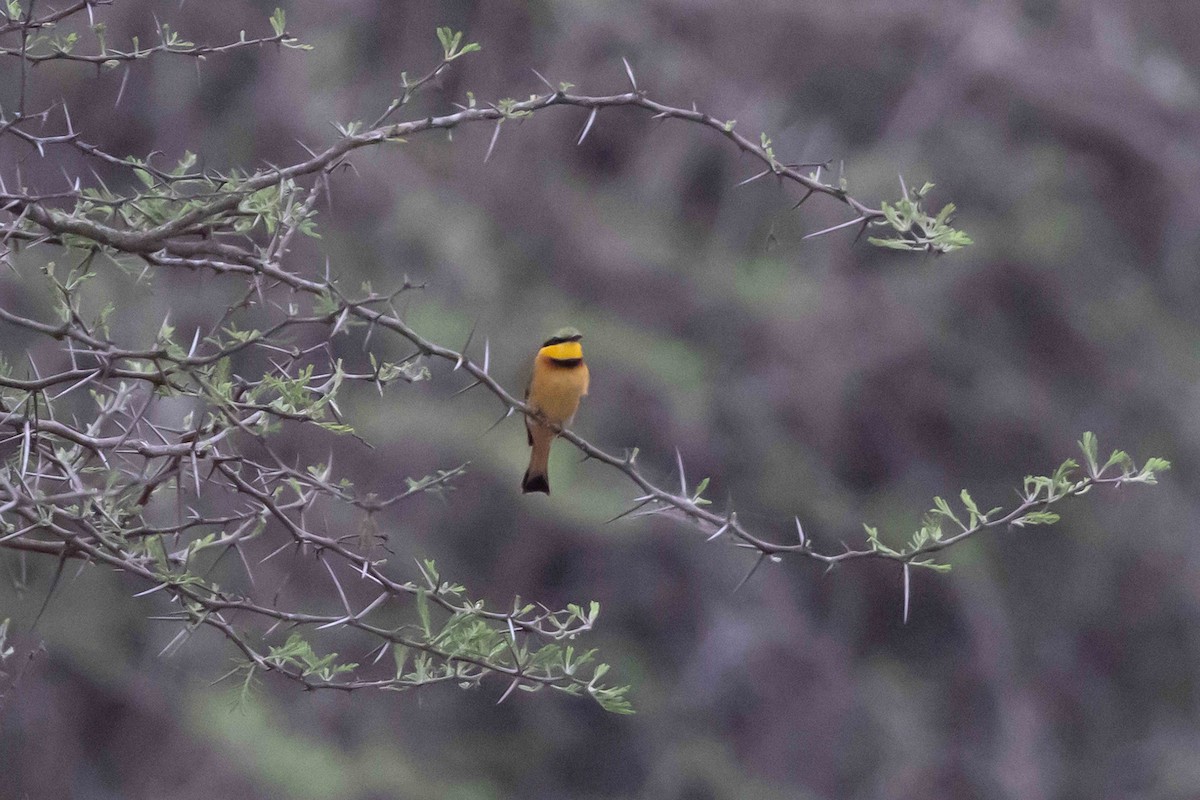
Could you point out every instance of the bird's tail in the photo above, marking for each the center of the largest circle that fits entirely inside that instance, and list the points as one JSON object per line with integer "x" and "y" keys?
{"x": 537, "y": 477}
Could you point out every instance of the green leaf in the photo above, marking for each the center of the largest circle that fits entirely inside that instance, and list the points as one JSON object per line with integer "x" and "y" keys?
{"x": 450, "y": 40}
{"x": 1089, "y": 447}
{"x": 1149, "y": 470}
{"x": 943, "y": 508}
{"x": 6, "y": 650}
{"x": 1119, "y": 458}
{"x": 1037, "y": 518}
{"x": 915, "y": 230}
{"x": 972, "y": 509}
{"x": 1156, "y": 465}
{"x": 279, "y": 22}
{"x": 1062, "y": 475}
{"x": 423, "y": 611}
{"x": 874, "y": 541}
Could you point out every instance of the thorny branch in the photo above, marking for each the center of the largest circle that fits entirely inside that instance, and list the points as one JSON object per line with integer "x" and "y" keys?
{"x": 165, "y": 494}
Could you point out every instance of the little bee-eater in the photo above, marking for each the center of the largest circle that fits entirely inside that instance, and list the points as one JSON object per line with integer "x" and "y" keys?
{"x": 559, "y": 379}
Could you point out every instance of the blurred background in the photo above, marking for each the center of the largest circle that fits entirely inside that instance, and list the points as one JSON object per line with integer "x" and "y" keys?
{"x": 822, "y": 379}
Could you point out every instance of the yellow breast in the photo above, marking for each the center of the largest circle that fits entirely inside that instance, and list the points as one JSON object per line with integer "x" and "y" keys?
{"x": 555, "y": 390}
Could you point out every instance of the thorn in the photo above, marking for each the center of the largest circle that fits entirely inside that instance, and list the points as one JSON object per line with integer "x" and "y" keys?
{"x": 62, "y": 562}
{"x": 511, "y": 686}
{"x": 487, "y": 354}
{"x": 383, "y": 648}
{"x": 682, "y": 479}
{"x": 588, "y": 125}
{"x": 512, "y": 630}
{"x": 121, "y": 91}
{"x": 492, "y": 144}
{"x": 629, "y": 72}
{"x": 507, "y": 414}
{"x": 749, "y": 574}
{"x": 196, "y": 475}
{"x": 245, "y": 564}
{"x": 467, "y": 344}
{"x": 814, "y": 235}
{"x": 337, "y": 584}
{"x": 800, "y": 532}
{"x": 630, "y": 511}
{"x": 466, "y": 388}
{"x": 542, "y": 78}
{"x": 903, "y": 188}
{"x": 26, "y": 446}
{"x": 861, "y": 230}
{"x": 807, "y": 195}
{"x": 906, "y": 592}
{"x": 752, "y": 178}
{"x": 720, "y": 530}
{"x": 85, "y": 379}
{"x": 174, "y": 644}
{"x": 307, "y": 149}
{"x": 807, "y": 164}
{"x": 650, "y": 512}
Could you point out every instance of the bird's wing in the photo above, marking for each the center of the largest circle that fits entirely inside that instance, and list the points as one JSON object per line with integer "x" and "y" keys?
{"x": 528, "y": 430}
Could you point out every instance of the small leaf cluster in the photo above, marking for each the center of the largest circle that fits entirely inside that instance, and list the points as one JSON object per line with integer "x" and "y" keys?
{"x": 278, "y": 20}
{"x": 1148, "y": 474}
{"x": 457, "y": 648}
{"x": 296, "y": 652}
{"x": 168, "y": 194}
{"x": 45, "y": 43}
{"x": 452, "y": 46}
{"x": 1037, "y": 494}
{"x": 916, "y": 230}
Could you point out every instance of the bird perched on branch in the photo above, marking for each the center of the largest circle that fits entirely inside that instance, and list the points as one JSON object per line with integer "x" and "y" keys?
{"x": 559, "y": 379}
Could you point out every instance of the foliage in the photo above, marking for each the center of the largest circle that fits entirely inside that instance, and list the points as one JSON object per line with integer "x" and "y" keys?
{"x": 915, "y": 229}
{"x": 181, "y": 456}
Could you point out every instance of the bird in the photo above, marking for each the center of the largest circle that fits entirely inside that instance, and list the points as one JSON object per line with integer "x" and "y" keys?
{"x": 559, "y": 379}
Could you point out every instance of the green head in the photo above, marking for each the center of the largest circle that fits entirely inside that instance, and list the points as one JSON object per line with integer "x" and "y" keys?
{"x": 561, "y": 335}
